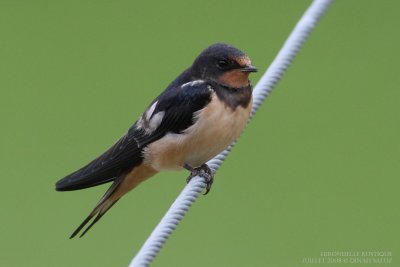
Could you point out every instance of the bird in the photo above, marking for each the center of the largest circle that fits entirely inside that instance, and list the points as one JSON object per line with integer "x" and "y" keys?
{"x": 196, "y": 117}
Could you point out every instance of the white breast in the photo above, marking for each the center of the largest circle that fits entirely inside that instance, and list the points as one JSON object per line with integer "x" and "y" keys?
{"x": 216, "y": 127}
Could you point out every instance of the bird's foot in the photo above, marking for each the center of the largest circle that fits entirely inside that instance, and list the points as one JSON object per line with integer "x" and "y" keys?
{"x": 203, "y": 171}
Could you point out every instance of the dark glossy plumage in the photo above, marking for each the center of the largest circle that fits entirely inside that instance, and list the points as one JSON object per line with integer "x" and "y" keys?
{"x": 178, "y": 103}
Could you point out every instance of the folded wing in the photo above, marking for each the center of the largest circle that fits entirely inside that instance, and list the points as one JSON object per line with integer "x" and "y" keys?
{"x": 173, "y": 111}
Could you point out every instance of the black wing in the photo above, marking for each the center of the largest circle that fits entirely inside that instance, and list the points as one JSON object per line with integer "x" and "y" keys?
{"x": 180, "y": 104}
{"x": 177, "y": 104}
{"x": 122, "y": 156}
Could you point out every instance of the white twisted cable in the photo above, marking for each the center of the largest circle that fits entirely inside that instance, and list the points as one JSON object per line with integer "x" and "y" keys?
{"x": 193, "y": 189}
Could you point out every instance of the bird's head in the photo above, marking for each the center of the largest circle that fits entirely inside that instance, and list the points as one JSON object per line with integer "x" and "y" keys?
{"x": 224, "y": 64}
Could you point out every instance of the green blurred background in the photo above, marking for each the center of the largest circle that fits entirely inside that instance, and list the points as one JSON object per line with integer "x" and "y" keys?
{"x": 317, "y": 169}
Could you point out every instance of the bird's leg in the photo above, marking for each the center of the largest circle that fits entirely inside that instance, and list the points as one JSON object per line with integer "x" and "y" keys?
{"x": 203, "y": 171}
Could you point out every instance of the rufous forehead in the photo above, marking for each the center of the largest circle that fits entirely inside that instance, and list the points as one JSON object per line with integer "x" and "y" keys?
{"x": 243, "y": 61}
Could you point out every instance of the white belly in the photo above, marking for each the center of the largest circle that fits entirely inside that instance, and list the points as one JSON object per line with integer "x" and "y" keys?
{"x": 216, "y": 128}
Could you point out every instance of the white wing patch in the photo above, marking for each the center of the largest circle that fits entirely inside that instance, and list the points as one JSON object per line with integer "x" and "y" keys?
{"x": 149, "y": 121}
{"x": 192, "y": 83}
{"x": 150, "y": 111}
{"x": 156, "y": 121}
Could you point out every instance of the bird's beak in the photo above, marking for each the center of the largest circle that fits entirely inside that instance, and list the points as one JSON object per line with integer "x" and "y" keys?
{"x": 249, "y": 68}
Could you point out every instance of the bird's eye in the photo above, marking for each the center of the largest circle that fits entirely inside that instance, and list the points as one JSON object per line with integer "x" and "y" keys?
{"x": 222, "y": 64}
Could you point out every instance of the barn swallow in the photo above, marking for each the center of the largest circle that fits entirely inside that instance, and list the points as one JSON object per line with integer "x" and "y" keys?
{"x": 197, "y": 116}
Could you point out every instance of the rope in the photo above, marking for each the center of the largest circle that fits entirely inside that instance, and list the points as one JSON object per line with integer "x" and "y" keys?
{"x": 267, "y": 82}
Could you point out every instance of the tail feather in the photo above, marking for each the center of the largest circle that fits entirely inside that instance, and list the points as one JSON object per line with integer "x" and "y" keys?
{"x": 98, "y": 217}
{"x": 101, "y": 208}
